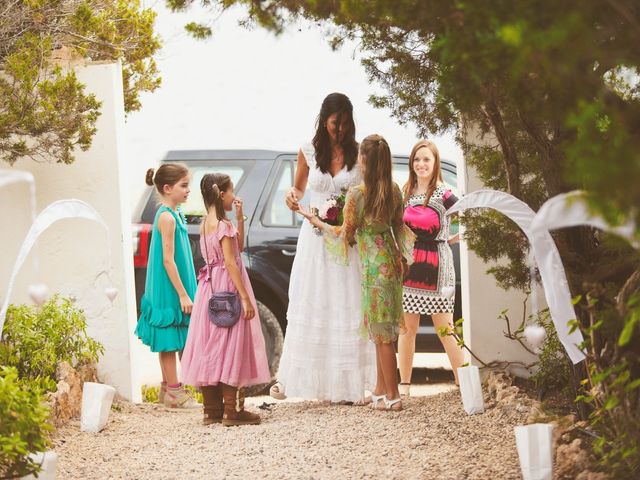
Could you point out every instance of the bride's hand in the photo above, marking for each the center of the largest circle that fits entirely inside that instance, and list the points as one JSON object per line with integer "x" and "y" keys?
{"x": 291, "y": 198}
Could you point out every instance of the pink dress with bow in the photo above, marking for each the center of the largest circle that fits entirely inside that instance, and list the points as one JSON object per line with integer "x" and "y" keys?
{"x": 235, "y": 356}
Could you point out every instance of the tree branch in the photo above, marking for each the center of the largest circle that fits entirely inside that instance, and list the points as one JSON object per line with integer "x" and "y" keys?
{"x": 630, "y": 286}
{"x": 509, "y": 155}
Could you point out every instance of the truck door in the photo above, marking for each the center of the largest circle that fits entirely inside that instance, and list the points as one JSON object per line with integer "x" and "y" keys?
{"x": 274, "y": 231}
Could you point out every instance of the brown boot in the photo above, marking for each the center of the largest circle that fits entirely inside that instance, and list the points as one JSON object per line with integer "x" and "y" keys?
{"x": 212, "y": 403}
{"x": 234, "y": 412}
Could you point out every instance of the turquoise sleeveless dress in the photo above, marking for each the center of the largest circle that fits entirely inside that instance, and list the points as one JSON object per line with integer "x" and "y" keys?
{"x": 162, "y": 325}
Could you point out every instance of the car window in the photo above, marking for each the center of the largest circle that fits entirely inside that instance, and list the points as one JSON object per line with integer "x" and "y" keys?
{"x": 451, "y": 180}
{"x": 194, "y": 207}
{"x": 400, "y": 174}
{"x": 276, "y": 213}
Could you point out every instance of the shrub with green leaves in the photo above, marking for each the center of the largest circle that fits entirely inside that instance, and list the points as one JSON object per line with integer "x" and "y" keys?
{"x": 35, "y": 340}
{"x": 23, "y": 429}
{"x": 611, "y": 390}
{"x": 150, "y": 394}
{"x": 554, "y": 371}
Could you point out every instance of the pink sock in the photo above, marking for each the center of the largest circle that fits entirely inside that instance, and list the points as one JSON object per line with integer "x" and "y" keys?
{"x": 177, "y": 385}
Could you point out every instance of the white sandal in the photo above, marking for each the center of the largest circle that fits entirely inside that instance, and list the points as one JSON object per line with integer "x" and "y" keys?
{"x": 405, "y": 389}
{"x": 363, "y": 402}
{"x": 388, "y": 404}
{"x": 376, "y": 398}
{"x": 276, "y": 391}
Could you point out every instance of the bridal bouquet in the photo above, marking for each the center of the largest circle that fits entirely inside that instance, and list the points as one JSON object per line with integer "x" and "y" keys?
{"x": 330, "y": 211}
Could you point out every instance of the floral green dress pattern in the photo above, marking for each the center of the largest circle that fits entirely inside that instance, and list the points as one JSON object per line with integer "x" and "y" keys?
{"x": 380, "y": 260}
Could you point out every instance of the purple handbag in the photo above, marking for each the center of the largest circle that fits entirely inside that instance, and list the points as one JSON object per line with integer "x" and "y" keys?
{"x": 224, "y": 307}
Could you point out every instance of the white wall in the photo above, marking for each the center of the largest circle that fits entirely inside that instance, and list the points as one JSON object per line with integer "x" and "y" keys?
{"x": 73, "y": 252}
{"x": 483, "y": 300}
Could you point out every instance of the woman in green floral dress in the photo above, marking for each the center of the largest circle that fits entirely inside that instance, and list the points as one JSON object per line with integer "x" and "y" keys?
{"x": 373, "y": 220}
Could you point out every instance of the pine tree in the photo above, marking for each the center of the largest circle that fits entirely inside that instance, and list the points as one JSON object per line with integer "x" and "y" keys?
{"x": 45, "y": 112}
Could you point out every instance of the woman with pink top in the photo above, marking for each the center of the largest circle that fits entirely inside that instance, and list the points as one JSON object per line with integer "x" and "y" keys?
{"x": 222, "y": 360}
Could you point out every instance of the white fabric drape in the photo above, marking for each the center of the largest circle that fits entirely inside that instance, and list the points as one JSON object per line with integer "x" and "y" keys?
{"x": 58, "y": 210}
{"x": 571, "y": 210}
{"x": 546, "y": 255}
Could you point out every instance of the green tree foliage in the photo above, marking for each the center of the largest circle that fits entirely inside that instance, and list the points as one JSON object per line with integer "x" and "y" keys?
{"x": 545, "y": 97}
{"x": 45, "y": 112}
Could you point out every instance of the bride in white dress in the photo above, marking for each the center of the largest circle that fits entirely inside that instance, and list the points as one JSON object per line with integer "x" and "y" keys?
{"x": 324, "y": 355}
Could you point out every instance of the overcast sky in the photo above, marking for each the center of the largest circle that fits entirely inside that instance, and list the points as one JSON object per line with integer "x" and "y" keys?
{"x": 250, "y": 89}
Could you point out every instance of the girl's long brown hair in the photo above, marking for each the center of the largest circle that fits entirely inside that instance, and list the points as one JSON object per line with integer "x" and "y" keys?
{"x": 211, "y": 186}
{"x": 436, "y": 177}
{"x": 167, "y": 174}
{"x": 379, "y": 196}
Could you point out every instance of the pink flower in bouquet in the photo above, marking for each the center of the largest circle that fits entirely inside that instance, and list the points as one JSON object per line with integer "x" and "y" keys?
{"x": 332, "y": 214}
{"x": 331, "y": 210}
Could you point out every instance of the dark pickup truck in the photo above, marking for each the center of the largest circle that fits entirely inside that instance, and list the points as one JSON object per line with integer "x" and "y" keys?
{"x": 261, "y": 178}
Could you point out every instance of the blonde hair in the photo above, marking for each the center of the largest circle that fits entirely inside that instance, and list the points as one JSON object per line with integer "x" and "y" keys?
{"x": 378, "y": 193}
{"x": 436, "y": 177}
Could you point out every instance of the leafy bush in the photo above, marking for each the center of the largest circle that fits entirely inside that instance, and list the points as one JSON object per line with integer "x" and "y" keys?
{"x": 554, "y": 370}
{"x": 23, "y": 429}
{"x": 612, "y": 386}
{"x": 150, "y": 394}
{"x": 35, "y": 340}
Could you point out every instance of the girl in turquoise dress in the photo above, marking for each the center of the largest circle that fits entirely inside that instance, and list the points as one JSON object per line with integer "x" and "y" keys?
{"x": 373, "y": 220}
{"x": 171, "y": 282}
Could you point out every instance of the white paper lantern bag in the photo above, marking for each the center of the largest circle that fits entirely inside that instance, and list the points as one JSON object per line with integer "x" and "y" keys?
{"x": 471, "y": 389}
{"x": 96, "y": 404}
{"x": 535, "y": 449}
{"x": 48, "y": 460}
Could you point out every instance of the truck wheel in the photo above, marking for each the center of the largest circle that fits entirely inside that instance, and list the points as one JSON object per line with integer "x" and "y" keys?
{"x": 274, "y": 341}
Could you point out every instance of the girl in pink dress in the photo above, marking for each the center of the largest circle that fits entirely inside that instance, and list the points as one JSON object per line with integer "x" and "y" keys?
{"x": 223, "y": 360}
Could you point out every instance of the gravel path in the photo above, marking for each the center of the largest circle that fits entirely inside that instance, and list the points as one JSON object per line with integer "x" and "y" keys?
{"x": 431, "y": 438}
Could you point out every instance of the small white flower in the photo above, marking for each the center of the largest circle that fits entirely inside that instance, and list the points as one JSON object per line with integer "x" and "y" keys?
{"x": 329, "y": 203}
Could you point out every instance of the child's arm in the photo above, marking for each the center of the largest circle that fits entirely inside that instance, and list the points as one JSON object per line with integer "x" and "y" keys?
{"x": 167, "y": 227}
{"x": 338, "y": 238}
{"x": 348, "y": 228}
{"x": 236, "y": 278}
{"x": 240, "y": 222}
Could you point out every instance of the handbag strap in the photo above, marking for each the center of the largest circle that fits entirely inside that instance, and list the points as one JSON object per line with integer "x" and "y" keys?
{"x": 398, "y": 249}
{"x": 206, "y": 250}
{"x": 395, "y": 241}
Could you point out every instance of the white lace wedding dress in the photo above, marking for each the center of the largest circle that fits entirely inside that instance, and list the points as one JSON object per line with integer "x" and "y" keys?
{"x": 324, "y": 356}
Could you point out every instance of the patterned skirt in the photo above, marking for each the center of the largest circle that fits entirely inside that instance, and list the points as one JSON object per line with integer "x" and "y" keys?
{"x": 430, "y": 286}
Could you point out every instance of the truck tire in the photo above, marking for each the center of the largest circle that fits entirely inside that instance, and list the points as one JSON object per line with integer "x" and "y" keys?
{"x": 274, "y": 341}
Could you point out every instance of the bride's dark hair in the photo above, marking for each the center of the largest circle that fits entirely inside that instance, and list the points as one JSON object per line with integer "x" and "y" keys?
{"x": 340, "y": 104}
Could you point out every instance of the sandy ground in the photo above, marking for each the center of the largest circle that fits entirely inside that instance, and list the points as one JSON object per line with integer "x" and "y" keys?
{"x": 432, "y": 438}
